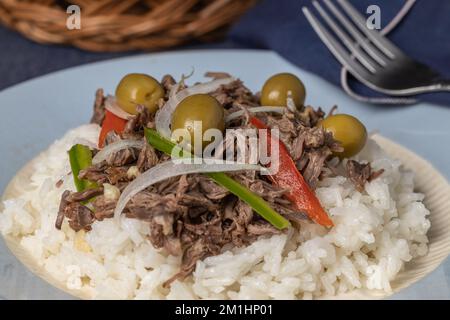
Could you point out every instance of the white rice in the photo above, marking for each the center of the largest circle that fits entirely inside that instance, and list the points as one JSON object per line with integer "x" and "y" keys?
{"x": 375, "y": 233}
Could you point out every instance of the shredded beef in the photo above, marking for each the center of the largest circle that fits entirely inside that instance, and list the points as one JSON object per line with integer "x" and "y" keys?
{"x": 197, "y": 251}
{"x": 135, "y": 126}
{"x": 234, "y": 94}
{"x": 147, "y": 158}
{"x": 375, "y": 174}
{"x": 259, "y": 229}
{"x": 217, "y": 75}
{"x": 123, "y": 157}
{"x": 95, "y": 173}
{"x": 84, "y": 195}
{"x": 59, "y": 183}
{"x": 296, "y": 217}
{"x": 197, "y": 203}
{"x": 313, "y": 137}
{"x": 62, "y": 206}
{"x": 309, "y": 145}
{"x": 309, "y": 116}
{"x": 360, "y": 173}
{"x": 297, "y": 147}
{"x": 80, "y": 216}
{"x": 212, "y": 190}
{"x": 191, "y": 216}
{"x": 168, "y": 82}
{"x": 266, "y": 190}
{"x": 316, "y": 162}
{"x": 71, "y": 206}
{"x": 145, "y": 205}
{"x": 99, "y": 108}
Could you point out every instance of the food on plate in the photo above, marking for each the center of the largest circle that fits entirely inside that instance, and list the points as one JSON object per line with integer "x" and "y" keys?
{"x": 80, "y": 157}
{"x": 349, "y": 131}
{"x": 110, "y": 122}
{"x": 139, "y": 89}
{"x": 119, "y": 208}
{"x": 201, "y": 109}
{"x": 277, "y": 88}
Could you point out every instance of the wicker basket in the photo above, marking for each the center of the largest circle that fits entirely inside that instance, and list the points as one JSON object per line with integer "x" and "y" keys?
{"x": 122, "y": 25}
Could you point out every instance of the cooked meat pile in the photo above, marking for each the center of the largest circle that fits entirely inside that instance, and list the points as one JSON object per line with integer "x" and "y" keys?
{"x": 360, "y": 173}
{"x": 191, "y": 216}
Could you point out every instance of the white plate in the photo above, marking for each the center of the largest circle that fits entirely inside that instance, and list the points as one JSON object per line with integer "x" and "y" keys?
{"x": 39, "y": 111}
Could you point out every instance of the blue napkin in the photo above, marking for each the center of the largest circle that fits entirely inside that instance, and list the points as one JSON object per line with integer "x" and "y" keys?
{"x": 423, "y": 34}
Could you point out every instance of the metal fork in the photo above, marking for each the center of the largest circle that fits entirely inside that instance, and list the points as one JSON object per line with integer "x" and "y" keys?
{"x": 369, "y": 56}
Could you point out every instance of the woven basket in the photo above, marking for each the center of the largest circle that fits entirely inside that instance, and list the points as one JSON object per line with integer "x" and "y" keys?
{"x": 122, "y": 25}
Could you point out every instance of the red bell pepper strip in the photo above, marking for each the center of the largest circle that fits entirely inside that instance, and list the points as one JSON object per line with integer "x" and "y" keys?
{"x": 288, "y": 176}
{"x": 253, "y": 200}
{"x": 110, "y": 123}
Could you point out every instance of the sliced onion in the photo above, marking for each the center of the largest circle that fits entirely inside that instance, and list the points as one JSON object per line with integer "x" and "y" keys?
{"x": 112, "y": 106}
{"x": 164, "y": 115}
{"x": 290, "y": 104}
{"x": 239, "y": 113}
{"x": 171, "y": 169}
{"x": 85, "y": 142}
{"x": 116, "y": 147}
{"x": 174, "y": 90}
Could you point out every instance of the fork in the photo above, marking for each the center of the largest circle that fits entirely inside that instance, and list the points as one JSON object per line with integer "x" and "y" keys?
{"x": 369, "y": 56}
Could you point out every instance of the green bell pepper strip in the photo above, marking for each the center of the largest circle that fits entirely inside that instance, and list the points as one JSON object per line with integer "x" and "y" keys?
{"x": 80, "y": 157}
{"x": 256, "y": 202}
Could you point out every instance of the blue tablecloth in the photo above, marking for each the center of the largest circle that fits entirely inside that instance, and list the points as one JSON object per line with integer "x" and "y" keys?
{"x": 22, "y": 59}
{"x": 281, "y": 26}
{"x": 272, "y": 24}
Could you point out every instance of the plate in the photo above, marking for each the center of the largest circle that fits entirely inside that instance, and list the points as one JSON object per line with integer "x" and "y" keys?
{"x": 428, "y": 181}
{"x": 39, "y": 111}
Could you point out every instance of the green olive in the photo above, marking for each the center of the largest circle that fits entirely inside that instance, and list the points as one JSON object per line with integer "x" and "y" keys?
{"x": 275, "y": 90}
{"x": 198, "y": 107}
{"x": 137, "y": 88}
{"x": 349, "y": 131}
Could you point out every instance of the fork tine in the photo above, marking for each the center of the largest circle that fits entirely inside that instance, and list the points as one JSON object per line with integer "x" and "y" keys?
{"x": 356, "y": 51}
{"x": 350, "y": 28}
{"x": 336, "y": 48}
{"x": 387, "y": 47}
